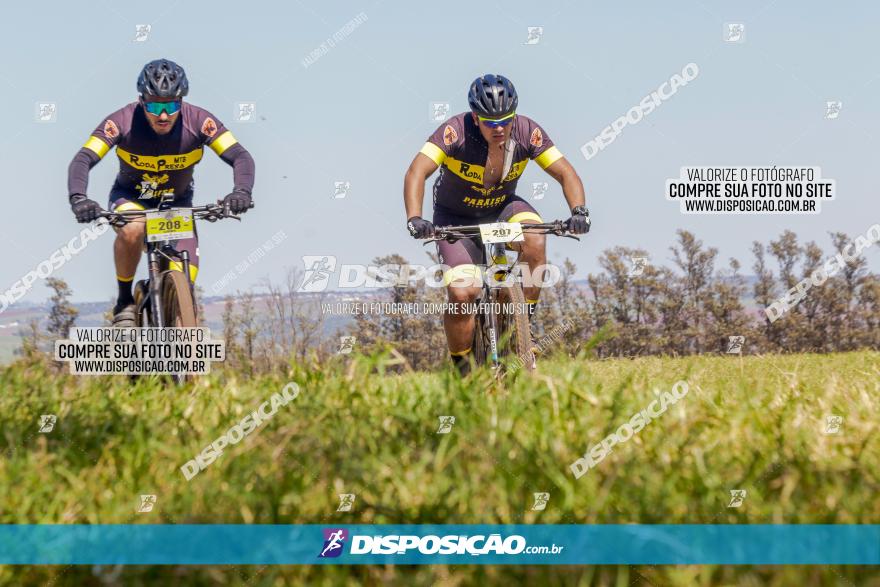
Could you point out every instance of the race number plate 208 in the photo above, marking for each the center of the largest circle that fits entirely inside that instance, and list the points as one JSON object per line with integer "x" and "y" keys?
{"x": 501, "y": 232}
{"x": 169, "y": 226}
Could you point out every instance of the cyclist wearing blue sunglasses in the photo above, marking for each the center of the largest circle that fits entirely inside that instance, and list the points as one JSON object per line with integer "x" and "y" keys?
{"x": 481, "y": 155}
{"x": 159, "y": 139}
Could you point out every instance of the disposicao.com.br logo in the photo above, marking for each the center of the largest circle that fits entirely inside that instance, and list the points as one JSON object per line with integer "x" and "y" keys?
{"x": 319, "y": 270}
{"x": 431, "y": 544}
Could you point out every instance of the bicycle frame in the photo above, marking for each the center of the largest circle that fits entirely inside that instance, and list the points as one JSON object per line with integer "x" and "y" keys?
{"x": 159, "y": 250}
{"x": 156, "y": 250}
{"x": 496, "y": 278}
{"x": 493, "y": 281}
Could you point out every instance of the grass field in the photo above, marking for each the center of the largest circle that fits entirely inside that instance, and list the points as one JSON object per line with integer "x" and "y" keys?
{"x": 753, "y": 423}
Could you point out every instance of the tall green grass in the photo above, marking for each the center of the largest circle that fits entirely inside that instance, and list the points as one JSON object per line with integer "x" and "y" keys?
{"x": 753, "y": 423}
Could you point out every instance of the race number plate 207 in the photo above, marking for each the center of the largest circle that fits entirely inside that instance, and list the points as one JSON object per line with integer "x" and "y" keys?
{"x": 169, "y": 226}
{"x": 501, "y": 232}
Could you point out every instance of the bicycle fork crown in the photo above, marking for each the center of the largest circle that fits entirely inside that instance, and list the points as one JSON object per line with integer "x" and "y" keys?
{"x": 498, "y": 272}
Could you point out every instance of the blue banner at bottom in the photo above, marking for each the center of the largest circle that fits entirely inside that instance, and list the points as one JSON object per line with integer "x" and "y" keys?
{"x": 687, "y": 544}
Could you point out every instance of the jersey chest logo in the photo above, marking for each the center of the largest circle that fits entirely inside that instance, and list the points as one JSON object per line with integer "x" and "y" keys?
{"x": 149, "y": 186}
{"x": 161, "y": 162}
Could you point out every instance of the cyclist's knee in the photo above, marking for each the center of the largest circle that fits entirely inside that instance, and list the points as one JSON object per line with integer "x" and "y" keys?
{"x": 132, "y": 233}
{"x": 534, "y": 242}
{"x": 462, "y": 294}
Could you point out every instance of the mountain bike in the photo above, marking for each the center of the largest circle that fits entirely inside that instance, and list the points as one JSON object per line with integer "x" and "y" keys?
{"x": 166, "y": 297}
{"x": 501, "y": 329}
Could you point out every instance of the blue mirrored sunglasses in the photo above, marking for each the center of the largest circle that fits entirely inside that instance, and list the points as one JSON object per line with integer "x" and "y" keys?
{"x": 495, "y": 123}
{"x": 157, "y": 108}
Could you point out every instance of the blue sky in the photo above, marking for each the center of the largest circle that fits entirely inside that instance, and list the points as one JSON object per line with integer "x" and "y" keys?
{"x": 360, "y": 113}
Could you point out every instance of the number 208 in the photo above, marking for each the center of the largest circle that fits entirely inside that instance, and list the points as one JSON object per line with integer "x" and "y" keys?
{"x": 169, "y": 224}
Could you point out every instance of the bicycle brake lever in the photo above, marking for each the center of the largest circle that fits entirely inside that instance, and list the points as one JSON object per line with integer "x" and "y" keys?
{"x": 436, "y": 239}
{"x": 117, "y": 221}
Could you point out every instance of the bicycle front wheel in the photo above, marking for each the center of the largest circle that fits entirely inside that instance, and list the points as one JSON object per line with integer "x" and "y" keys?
{"x": 178, "y": 307}
{"x": 517, "y": 334}
{"x": 481, "y": 344}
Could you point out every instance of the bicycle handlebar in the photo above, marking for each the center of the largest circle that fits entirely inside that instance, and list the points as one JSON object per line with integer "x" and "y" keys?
{"x": 209, "y": 212}
{"x": 454, "y": 233}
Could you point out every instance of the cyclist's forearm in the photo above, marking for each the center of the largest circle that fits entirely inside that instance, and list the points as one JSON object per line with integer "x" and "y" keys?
{"x": 78, "y": 171}
{"x": 243, "y": 168}
{"x": 573, "y": 190}
{"x": 413, "y": 194}
{"x": 572, "y": 186}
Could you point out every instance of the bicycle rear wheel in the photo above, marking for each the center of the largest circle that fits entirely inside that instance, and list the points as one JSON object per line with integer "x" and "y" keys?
{"x": 144, "y": 316}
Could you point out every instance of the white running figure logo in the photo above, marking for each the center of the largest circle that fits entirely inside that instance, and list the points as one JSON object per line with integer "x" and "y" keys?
{"x": 333, "y": 542}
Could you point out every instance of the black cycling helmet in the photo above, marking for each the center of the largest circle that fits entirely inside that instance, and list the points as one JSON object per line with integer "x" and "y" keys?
{"x": 164, "y": 79}
{"x": 492, "y": 96}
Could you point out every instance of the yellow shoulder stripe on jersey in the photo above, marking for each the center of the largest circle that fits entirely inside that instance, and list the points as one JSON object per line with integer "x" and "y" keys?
{"x": 161, "y": 162}
{"x": 433, "y": 152}
{"x": 97, "y": 146}
{"x": 548, "y": 157}
{"x": 222, "y": 142}
{"x": 466, "y": 171}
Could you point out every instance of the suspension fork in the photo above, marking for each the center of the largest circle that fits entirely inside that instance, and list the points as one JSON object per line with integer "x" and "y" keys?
{"x": 492, "y": 325}
{"x": 155, "y": 286}
{"x": 184, "y": 260}
{"x": 490, "y": 288}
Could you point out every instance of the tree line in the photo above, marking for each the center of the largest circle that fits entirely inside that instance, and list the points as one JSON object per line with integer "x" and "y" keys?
{"x": 636, "y": 305}
{"x": 694, "y": 305}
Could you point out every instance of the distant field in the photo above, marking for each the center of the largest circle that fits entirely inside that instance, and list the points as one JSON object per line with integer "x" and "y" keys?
{"x": 16, "y": 319}
{"x": 8, "y": 344}
{"x": 753, "y": 423}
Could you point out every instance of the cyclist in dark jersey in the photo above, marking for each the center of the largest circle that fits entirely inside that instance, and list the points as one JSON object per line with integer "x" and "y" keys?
{"x": 159, "y": 139}
{"x": 481, "y": 155}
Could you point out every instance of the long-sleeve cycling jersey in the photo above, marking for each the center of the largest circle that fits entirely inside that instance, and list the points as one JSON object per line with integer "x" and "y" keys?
{"x": 154, "y": 166}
